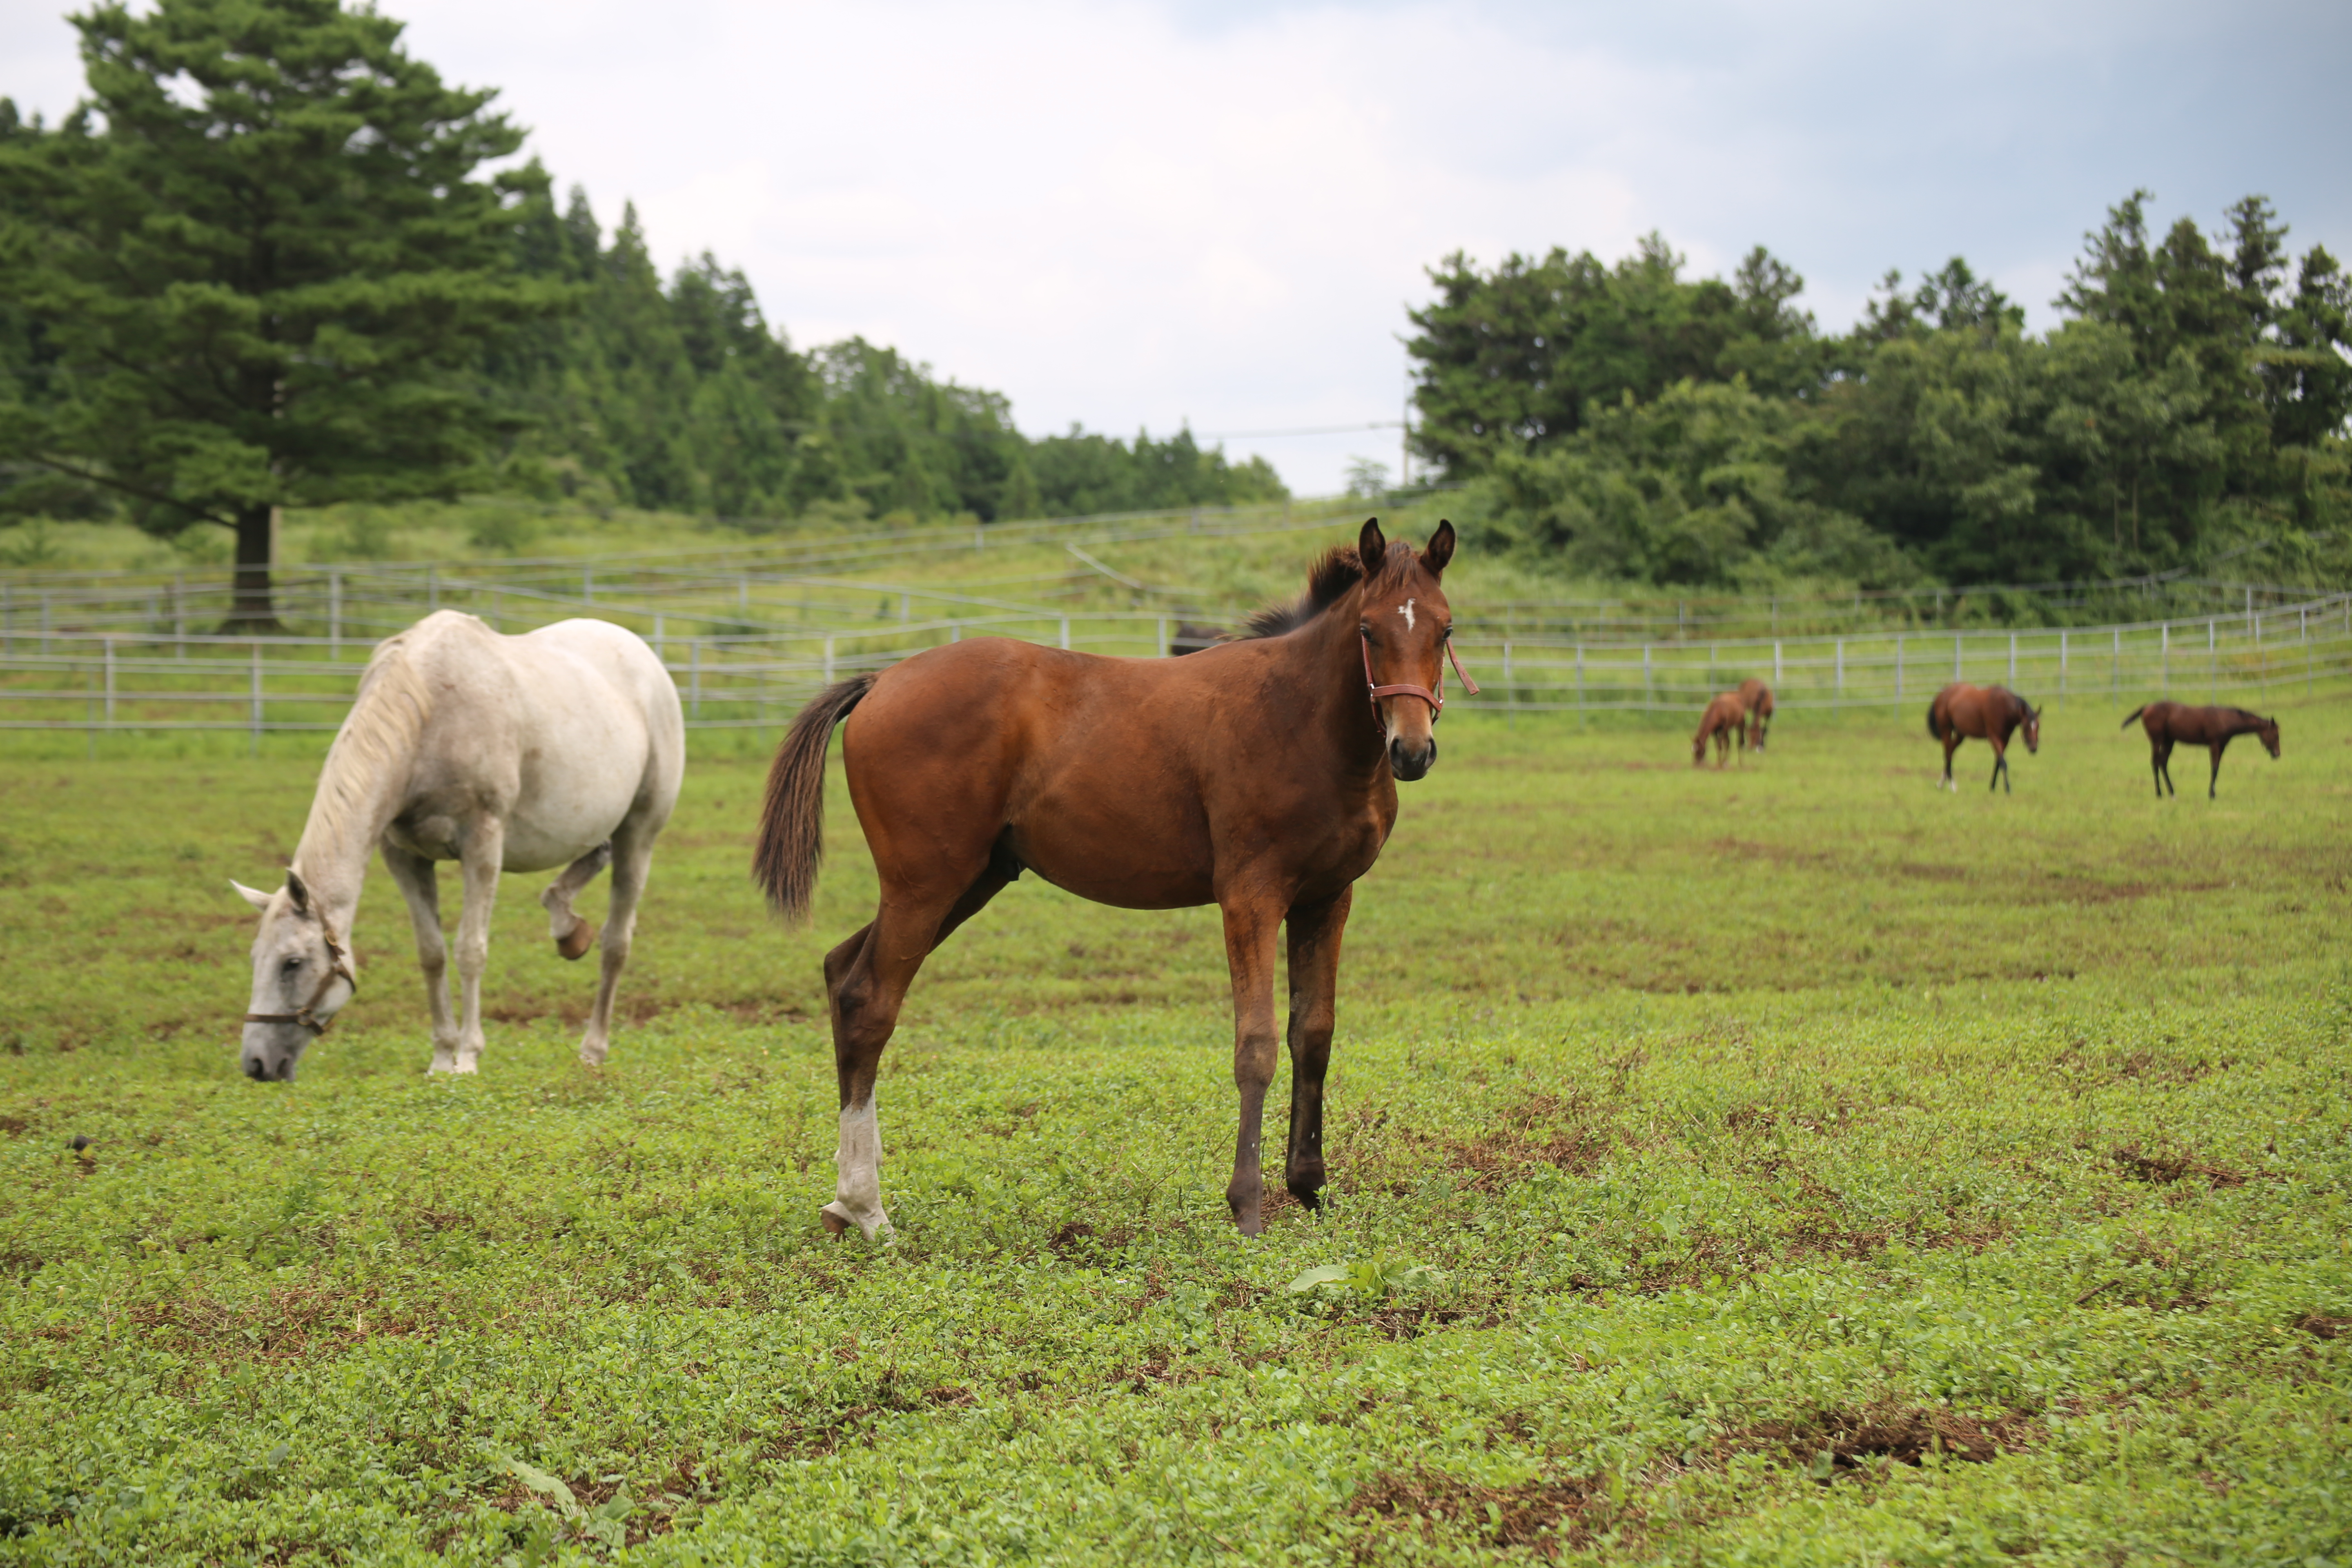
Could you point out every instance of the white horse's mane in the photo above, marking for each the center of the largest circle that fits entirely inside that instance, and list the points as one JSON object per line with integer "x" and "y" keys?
{"x": 381, "y": 735}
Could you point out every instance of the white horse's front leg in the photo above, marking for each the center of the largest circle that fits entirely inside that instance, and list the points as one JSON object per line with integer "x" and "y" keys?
{"x": 485, "y": 849}
{"x": 420, "y": 884}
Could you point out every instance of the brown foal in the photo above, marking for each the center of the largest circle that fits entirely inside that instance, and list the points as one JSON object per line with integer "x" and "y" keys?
{"x": 1258, "y": 775}
{"x": 1758, "y": 698}
{"x": 2169, "y": 723}
{"x": 1725, "y": 721}
{"x": 1992, "y": 713}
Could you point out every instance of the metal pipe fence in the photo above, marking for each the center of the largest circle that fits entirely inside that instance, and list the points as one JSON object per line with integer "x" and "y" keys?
{"x": 163, "y": 678}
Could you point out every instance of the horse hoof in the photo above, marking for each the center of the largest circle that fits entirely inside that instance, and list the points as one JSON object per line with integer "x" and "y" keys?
{"x": 833, "y": 1223}
{"x": 582, "y": 938}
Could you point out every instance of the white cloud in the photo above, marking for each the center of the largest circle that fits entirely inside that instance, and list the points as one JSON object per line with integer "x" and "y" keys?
{"x": 1133, "y": 214}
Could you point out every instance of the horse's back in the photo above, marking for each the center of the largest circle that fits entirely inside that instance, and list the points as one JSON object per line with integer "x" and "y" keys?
{"x": 566, "y": 731}
{"x": 1106, "y": 776}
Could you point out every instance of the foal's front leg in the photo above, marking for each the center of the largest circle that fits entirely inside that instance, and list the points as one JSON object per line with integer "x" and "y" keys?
{"x": 1315, "y": 930}
{"x": 2000, "y": 766}
{"x": 481, "y": 859}
{"x": 1251, "y": 929}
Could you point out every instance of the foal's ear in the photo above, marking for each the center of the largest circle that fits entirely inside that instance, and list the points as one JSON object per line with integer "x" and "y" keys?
{"x": 295, "y": 890}
{"x": 254, "y": 896}
{"x": 1441, "y": 549}
{"x": 1371, "y": 546}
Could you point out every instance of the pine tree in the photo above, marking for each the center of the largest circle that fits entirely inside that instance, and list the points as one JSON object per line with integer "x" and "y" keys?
{"x": 265, "y": 268}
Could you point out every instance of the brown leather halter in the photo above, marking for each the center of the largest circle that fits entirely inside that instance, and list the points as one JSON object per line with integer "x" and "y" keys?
{"x": 1436, "y": 699}
{"x": 306, "y": 1014}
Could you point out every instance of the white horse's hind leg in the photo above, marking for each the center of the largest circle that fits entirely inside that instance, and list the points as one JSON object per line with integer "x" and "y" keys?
{"x": 632, "y": 855}
{"x": 573, "y": 934}
{"x": 485, "y": 848}
{"x": 420, "y": 885}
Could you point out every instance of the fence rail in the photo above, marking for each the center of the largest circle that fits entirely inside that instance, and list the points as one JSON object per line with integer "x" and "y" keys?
{"x": 155, "y": 678}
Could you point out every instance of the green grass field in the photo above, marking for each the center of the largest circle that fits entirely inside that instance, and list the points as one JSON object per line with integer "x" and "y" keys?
{"x": 1792, "y": 1165}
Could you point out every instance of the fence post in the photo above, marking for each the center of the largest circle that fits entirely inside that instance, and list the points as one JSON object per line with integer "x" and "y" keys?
{"x": 1580, "y": 678}
{"x": 2062, "y": 662}
{"x": 7, "y": 617}
{"x": 180, "y": 613}
{"x": 45, "y": 622}
{"x": 1840, "y": 669}
{"x": 955, "y": 633}
{"x": 828, "y": 661}
{"x": 1956, "y": 656}
{"x": 1898, "y": 667}
{"x": 905, "y": 608}
{"x": 256, "y": 719}
{"x": 109, "y": 683}
{"x": 1163, "y": 636}
{"x": 432, "y": 589}
{"x": 693, "y": 681}
{"x": 2013, "y": 658}
{"x": 334, "y": 614}
{"x": 2115, "y": 663}
{"x": 1648, "y": 689}
{"x": 494, "y": 611}
{"x": 659, "y": 638}
{"x": 1066, "y": 620}
{"x": 1776, "y": 648}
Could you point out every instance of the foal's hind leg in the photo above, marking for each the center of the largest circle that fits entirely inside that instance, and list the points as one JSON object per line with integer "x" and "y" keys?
{"x": 2000, "y": 766}
{"x": 866, "y": 981}
{"x": 573, "y": 934}
{"x": 1315, "y": 930}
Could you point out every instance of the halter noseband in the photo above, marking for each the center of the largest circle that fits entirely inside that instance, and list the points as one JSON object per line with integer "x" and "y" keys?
{"x": 306, "y": 1014}
{"x": 1436, "y": 699}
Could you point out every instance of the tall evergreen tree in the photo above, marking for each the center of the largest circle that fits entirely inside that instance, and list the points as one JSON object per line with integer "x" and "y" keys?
{"x": 266, "y": 266}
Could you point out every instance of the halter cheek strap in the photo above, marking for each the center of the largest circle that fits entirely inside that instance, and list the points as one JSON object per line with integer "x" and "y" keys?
{"x": 1436, "y": 699}
{"x": 308, "y": 1013}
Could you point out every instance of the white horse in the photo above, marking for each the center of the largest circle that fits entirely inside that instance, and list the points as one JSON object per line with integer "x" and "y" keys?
{"x": 561, "y": 747}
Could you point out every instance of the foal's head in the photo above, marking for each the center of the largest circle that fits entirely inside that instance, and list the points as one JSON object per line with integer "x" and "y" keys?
{"x": 301, "y": 978}
{"x": 1404, "y": 621}
{"x": 2032, "y": 727}
{"x": 2268, "y": 732}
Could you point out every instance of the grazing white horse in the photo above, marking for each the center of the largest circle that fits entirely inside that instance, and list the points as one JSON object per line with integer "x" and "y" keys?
{"x": 561, "y": 747}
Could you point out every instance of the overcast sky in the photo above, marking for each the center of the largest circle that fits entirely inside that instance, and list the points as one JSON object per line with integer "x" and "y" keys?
{"x": 1131, "y": 215}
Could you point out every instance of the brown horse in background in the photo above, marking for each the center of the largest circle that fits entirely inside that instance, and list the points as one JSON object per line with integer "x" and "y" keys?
{"x": 2168, "y": 722}
{"x": 1758, "y": 699}
{"x": 1257, "y": 775}
{"x": 1988, "y": 712}
{"x": 1725, "y": 720}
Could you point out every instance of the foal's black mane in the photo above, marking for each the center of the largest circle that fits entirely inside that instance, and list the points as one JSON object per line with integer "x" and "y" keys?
{"x": 1327, "y": 583}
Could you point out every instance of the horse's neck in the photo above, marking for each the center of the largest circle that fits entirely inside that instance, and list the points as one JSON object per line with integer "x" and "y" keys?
{"x": 1336, "y": 703}
{"x": 360, "y": 790}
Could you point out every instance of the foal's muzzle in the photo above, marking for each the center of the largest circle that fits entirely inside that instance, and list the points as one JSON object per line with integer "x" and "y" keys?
{"x": 1409, "y": 763}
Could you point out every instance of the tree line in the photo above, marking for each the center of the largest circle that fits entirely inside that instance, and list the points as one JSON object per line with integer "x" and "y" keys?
{"x": 260, "y": 266}
{"x": 1627, "y": 421}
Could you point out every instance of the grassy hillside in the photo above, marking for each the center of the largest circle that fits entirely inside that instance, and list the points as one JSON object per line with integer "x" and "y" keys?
{"x": 1793, "y": 1165}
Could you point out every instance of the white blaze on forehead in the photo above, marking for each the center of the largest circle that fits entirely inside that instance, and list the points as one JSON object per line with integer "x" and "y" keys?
{"x": 1405, "y": 610}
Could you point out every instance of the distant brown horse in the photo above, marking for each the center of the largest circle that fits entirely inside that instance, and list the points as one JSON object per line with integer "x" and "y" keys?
{"x": 1258, "y": 775}
{"x": 1725, "y": 721}
{"x": 1988, "y": 712}
{"x": 2168, "y": 722}
{"x": 1757, "y": 697}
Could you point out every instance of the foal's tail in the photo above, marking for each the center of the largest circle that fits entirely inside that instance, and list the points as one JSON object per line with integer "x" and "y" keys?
{"x": 2132, "y": 715}
{"x": 1933, "y": 733}
{"x": 792, "y": 819}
